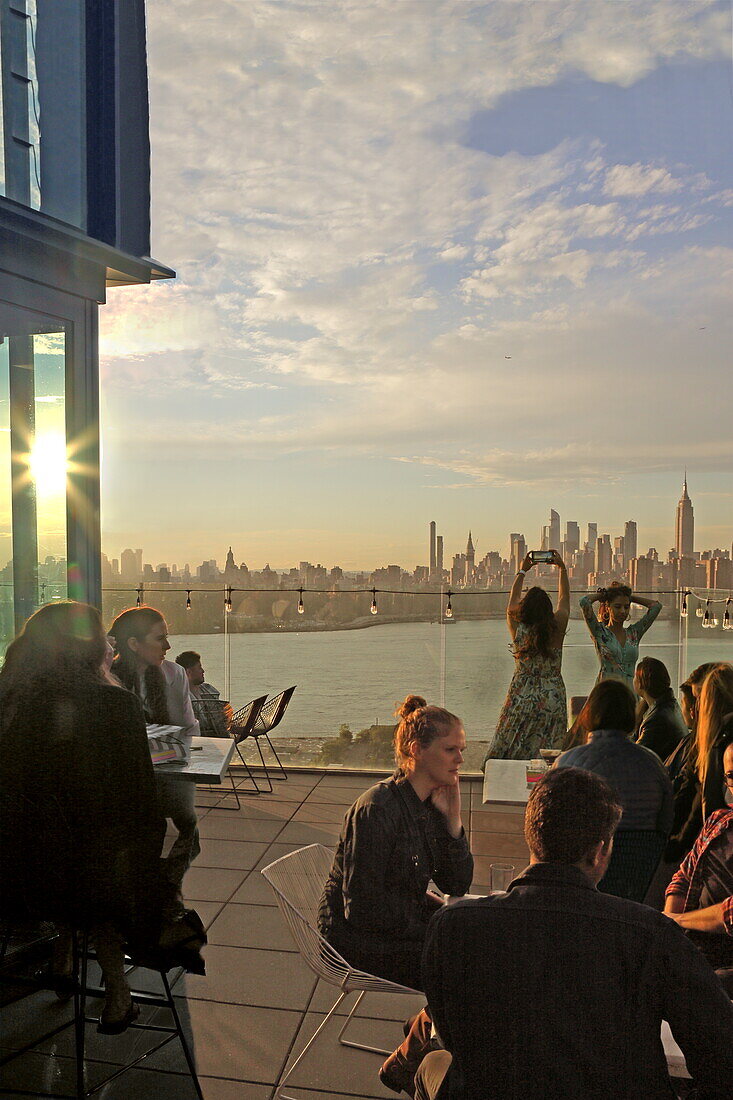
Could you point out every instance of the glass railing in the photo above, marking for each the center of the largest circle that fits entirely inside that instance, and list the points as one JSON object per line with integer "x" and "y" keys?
{"x": 352, "y": 667}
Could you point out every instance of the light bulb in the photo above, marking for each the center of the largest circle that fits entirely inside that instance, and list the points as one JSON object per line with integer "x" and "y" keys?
{"x": 228, "y": 601}
{"x": 449, "y": 607}
{"x": 301, "y": 608}
{"x": 706, "y": 617}
{"x": 683, "y": 609}
{"x": 188, "y": 599}
{"x": 699, "y": 612}
{"x": 139, "y": 600}
{"x": 373, "y": 608}
{"x": 726, "y": 619}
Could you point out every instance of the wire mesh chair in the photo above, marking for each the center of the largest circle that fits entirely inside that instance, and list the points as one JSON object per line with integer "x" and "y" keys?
{"x": 633, "y": 864}
{"x": 245, "y": 719}
{"x": 298, "y": 880}
{"x": 270, "y": 716}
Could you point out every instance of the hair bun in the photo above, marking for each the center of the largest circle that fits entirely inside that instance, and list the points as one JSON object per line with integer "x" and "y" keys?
{"x": 411, "y": 703}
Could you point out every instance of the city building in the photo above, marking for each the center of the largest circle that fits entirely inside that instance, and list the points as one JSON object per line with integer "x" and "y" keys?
{"x": 630, "y": 541}
{"x": 439, "y": 557}
{"x": 517, "y": 550}
{"x": 74, "y": 219}
{"x": 551, "y": 532}
{"x": 432, "y": 548}
{"x": 684, "y": 538}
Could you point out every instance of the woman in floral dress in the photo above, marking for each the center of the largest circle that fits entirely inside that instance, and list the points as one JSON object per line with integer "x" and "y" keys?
{"x": 534, "y": 714}
{"x": 617, "y": 646}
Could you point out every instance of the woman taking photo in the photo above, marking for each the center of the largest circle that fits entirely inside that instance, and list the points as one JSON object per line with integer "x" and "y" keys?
{"x": 78, "y": 808}
{"x": 617, "y": 646}
{"x": 534, "y": 714}
{"x": 141, "y": 643}
{"x": 397, "y": 836}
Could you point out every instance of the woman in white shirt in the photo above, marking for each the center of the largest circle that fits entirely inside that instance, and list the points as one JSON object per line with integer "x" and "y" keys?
{"x": 141, "y": 643}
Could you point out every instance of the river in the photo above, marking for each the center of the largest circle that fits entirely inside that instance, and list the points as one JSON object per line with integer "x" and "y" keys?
{"x": 357, "y": 676}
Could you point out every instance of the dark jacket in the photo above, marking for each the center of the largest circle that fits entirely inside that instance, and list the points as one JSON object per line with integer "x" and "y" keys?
{"x": 636, "y": 773}
{"x": 374, "y": 908}
{"x": 662, "y": 727}
{"x": 687, "y": 821}
{"x": 555, "y": 991}
{"x": 80, "y": 830}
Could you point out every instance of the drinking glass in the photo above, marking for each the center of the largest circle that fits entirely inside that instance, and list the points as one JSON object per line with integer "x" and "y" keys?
{"x": 501, "y": 875}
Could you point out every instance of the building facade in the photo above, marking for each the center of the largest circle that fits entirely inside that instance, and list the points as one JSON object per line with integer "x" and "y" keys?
{"x": 74, "y": 220}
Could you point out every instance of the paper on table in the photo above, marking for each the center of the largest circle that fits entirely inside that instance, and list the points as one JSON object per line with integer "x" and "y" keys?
{"x": 158, "y": 729}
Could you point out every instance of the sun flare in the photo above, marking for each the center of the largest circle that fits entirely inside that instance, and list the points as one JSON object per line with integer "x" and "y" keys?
{"x": 48, "y": 464}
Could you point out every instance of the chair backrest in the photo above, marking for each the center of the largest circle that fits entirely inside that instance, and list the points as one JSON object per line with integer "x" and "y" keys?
{"x": 273, "y": 711}
{"x": 634, "y": 861}
{"x": 298, "y": 880}
{"x": 245, "y": 718}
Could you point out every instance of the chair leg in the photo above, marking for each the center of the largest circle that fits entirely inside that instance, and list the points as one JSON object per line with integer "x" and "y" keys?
{"x": 257, "y": 790}
{"x": 186, "y": 1050}
{"x": 279, "y": 1094}
{"x": 81, "y": 961}
{"x": 284, "y": 774}
{"x": 225, "y": 794}
{"x": 269, "y": 787}
{"x": 349, "y": 1042}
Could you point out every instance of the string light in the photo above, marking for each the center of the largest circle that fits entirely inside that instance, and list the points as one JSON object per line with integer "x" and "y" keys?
{"x": 726, "y": 615}
{"x": 301, "y": 608}
{"x": 449, "y": 606}
{"x": 188, "y": 599}
{"x": 228, "y": 599}
{"x": 706, "y": 619}
{"x": 699, "y": 612}
{"x": 373, "y": 608}
{"x": 683, "y": 609}
{"x": 43, "y": 593}
{"x": 139, "y": 600}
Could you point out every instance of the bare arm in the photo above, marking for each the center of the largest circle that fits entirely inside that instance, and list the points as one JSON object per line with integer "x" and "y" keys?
{"x": 709, "y": 919}
{"x": 644, "y": 602}
{"x": 515, "y": 596}
{"x": 674, "y": 903}
{"x": 562, "y": 611}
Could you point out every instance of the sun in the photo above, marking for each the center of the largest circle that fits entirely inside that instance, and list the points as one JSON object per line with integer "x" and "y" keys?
{"x": 48, "y": 464}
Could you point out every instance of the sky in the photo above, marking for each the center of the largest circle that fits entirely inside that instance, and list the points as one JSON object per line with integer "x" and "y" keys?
{"x": 448, "y": 261}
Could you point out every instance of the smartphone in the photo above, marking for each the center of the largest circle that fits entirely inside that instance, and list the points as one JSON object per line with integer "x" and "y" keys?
{"x": 541, "y": 557}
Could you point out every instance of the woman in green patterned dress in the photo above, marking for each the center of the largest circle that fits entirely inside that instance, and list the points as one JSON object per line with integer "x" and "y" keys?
{"x": 617, "y": 645}
{"x": 534, "y": 714}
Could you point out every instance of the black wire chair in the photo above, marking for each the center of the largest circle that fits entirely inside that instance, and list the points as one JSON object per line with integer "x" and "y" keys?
{"x": 83, "y": 990}
{"x": 271, "y": 715}
{"x": 241, "y": 726}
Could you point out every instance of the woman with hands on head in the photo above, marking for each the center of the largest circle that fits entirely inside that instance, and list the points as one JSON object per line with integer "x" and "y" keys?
{"x": 617, "y": 645}
{"x": 534, "y": 714}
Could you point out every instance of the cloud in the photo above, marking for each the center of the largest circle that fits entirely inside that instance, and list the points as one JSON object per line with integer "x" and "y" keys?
{"x": 639, "y": 179}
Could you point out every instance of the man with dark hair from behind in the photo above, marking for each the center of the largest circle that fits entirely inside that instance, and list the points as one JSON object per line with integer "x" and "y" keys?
{"x": 554, "y": 991}
{"x": 662, "y": 726}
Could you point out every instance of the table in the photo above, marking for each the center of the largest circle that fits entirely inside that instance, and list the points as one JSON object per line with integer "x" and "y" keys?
{"x": 505, "y": 784}
{"x": 209, "y": 758}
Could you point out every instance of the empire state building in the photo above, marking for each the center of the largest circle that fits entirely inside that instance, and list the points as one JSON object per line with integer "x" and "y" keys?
{"x": 684, "y": 538}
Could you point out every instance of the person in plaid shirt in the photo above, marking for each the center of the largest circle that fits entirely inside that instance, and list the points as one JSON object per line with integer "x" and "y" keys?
{"x": 700, "y": 896}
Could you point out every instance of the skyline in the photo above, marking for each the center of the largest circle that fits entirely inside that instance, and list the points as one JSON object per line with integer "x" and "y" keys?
{"x": 434, "y": 262}
{"x": 447, "y": 550}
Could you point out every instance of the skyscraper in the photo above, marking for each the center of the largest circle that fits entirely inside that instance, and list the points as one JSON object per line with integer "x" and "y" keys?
{"x": 590, "y": 541}
{"x": 572, "y": 537}
{"x": 684, "y": 539}
{"x": 432, "y": 547}
{"x": 439, "y": 557}
{"x": 470, "y": 559}
{"x": 551, "y": 532}
{"x": 630, "y": 540}
{"x": 517, "y": 550}
{"x": 604, "y": 554}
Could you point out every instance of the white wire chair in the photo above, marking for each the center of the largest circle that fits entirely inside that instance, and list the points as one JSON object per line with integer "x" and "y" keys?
{"x": 298, "y": 880}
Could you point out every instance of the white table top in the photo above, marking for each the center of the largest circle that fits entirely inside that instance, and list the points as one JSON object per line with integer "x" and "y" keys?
{"x": 505, "y": 782}
{"x": 209, "y": 759}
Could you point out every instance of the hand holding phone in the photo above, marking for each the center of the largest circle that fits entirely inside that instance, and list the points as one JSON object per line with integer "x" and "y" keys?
{"x": 542, "y": 557}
